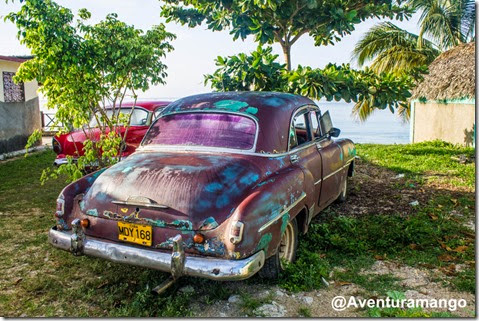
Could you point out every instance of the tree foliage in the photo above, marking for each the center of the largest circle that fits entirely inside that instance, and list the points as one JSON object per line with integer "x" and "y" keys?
{"x": 83, "y": 68}
{"x": 281, "y": 21}
{"x": 389, "y": 48}
{"x": 261, "y": 71}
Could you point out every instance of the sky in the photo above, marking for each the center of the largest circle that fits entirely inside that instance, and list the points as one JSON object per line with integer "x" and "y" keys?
{"x": 195, "y": 49}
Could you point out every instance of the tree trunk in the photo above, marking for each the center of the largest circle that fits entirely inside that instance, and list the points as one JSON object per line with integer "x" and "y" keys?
{"x": 287, "y": 56}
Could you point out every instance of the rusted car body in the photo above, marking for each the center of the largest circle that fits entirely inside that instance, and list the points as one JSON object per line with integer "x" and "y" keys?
{"x": 215, "y": 186}
{"x": 145, "y": 112}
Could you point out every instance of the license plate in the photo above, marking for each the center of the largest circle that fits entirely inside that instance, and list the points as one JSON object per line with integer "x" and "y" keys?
{"x": 135, "y": 233}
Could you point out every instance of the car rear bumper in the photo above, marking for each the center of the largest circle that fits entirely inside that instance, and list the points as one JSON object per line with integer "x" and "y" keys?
{"x": 175, "y": 262}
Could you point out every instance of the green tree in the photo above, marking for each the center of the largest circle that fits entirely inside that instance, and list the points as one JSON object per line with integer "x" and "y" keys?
{"x": 83, "y": 68}
{"x": 443, "y": 24}
{"x": 281, "y": 21}
{"x": 261, "y": 71}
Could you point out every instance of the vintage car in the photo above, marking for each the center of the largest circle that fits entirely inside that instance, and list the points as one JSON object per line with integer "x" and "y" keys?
{"x": 143, "y": 114}
{"x": 220, "y": 188}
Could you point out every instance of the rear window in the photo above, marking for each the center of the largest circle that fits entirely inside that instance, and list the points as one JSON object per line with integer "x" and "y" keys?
{"x": 203, "y": 129}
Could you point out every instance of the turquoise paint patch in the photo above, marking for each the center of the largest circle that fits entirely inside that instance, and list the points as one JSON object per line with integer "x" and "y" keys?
{"x": 127, "y": 169}
{"x": 341, "y": 155}
{"x": 232, "y": 105}
{"x": 213, "y": 187}
{"x": 352, "y": 151}
{"x": 264, "y": 242}
{"x": 249, "y": 178}
{"x": 82, "y": 205}
{"x": 285, "y": 221}
{"x": 251, "y": 110}
{"x": 92, "y": 212}
{"x": 222, "y": 201}
{"x": 209, "y": 224}
{"x": 182, "y": 224}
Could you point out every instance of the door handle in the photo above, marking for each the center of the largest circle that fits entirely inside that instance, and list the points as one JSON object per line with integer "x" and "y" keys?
{"x": 294, "y": 158}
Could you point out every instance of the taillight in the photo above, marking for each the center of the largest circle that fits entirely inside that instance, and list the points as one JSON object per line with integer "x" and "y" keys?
{"x": 198, "y": 238}
{"x": 57, "y": 147}
{"x": 236, "y": 232}
{"x": 85, "y": 223}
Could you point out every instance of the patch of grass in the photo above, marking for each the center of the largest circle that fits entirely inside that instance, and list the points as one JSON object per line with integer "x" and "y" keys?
{"x": 428, "y": 158}
{"x": 305, "y": 312}
{"x": 434, "y": 235}
{"x": 249, "y": 303}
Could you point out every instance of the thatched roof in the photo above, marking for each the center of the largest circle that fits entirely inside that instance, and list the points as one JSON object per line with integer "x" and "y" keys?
{"x": 451, "y": 75}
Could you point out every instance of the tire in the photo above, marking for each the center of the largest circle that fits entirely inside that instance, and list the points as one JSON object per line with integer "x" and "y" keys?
{"x": 273, "y": 265}
{"x": 344, "y": 192}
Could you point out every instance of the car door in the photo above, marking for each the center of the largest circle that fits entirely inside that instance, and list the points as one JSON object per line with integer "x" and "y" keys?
{"x": 332, "y": 161}
{"x": 303, "y": 152}
{"x": 139, "y": 123}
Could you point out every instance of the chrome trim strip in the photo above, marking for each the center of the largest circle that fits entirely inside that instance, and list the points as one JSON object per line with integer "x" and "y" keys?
{"x": 338, "y": 170}
{"x": 262, "y": 228}
{"x": 331, "y": 174}
{"x": 199, "y": 266}
{"x": 160, "y": 206}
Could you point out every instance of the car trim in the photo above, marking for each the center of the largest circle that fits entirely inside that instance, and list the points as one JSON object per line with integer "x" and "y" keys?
{"x": 286, "y": 210}
{"x": 198, "y": 266}
{"x": 333, "y": 173}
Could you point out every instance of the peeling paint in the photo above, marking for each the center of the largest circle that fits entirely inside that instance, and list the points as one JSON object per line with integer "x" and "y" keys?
{"x": 284, "y": 223}
{"x": 92, "y": 212}
{"x": 209, "y": 224}
{"x": 264, "y": 242}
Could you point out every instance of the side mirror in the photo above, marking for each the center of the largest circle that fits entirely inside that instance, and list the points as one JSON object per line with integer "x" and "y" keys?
{"x": 326, "y": 126}
{"x": 335, "y": 132}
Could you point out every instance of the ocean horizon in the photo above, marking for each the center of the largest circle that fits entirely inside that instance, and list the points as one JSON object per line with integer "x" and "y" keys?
{"x": 382, "y": 127}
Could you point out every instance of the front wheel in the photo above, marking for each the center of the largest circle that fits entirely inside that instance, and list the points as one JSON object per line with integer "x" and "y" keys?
{"x": 344, "y": 192}
{"x": 285, "y": 254}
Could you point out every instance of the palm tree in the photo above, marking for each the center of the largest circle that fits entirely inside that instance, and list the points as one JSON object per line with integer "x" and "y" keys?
{"x": 446, "y": 23}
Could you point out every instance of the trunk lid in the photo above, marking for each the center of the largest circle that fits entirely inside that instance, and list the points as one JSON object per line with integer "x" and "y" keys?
{"x": 177, "y": 190}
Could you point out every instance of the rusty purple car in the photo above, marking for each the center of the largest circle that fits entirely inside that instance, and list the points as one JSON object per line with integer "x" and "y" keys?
{"x": 220, "y": 187}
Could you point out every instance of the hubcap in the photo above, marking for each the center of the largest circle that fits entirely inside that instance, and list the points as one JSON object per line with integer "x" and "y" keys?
{"x": 286, "y": 246}
{"x": 345, "y": 187}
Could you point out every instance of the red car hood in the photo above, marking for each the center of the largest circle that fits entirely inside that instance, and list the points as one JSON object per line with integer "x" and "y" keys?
{"x": 197, "y": 192}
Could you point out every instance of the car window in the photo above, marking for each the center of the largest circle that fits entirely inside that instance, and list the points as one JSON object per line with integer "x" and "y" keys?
{"x": 203, "y": 129}
{"x": 157, "y": 112}
{"x": 139, "y": 117}
{"x": 314, "y": 124}
{"x": 299, "y": 130}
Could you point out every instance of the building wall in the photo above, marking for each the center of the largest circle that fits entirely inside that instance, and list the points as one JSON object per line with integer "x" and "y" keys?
{"x": 18, "y": 120}
{"x": 448, "y": 121}
{"x": 31, "y": 87}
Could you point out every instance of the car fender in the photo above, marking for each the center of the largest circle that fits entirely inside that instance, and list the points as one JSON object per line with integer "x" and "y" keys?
{"x": 266, "y": 211}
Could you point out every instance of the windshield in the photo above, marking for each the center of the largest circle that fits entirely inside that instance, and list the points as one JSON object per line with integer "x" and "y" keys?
{"x": 203, "y": 129}
{"x": 138, "y": 118}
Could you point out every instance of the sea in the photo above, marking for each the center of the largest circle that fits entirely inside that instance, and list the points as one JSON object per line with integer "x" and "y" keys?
{"x": 382, "y": 127}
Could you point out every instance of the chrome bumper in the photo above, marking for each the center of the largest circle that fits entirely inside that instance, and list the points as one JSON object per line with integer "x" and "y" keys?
{"x": 60, "y": 161}
{"x": 176, "y": 262}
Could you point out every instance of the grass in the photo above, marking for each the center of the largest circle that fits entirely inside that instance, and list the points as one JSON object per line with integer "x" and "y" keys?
{"x": 431, "y": 159}
{"x": 39, "y": 280}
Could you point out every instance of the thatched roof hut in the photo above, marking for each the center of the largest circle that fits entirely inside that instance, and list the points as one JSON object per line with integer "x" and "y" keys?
{"x": 451, "y": 76}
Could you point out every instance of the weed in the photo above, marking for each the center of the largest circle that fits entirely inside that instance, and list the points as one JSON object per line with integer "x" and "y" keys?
{"x": 305, "y": 312}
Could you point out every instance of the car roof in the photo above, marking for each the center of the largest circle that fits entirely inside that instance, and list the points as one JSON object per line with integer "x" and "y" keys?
{"x": 272, "y": 110}
{"x": 147, "y": 104}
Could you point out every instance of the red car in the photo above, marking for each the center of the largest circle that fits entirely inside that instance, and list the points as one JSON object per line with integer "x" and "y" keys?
{"x": 144, "y": 113}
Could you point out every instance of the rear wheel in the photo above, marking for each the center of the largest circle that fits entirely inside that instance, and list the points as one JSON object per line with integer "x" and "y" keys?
{"x": 286, "y": 252}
